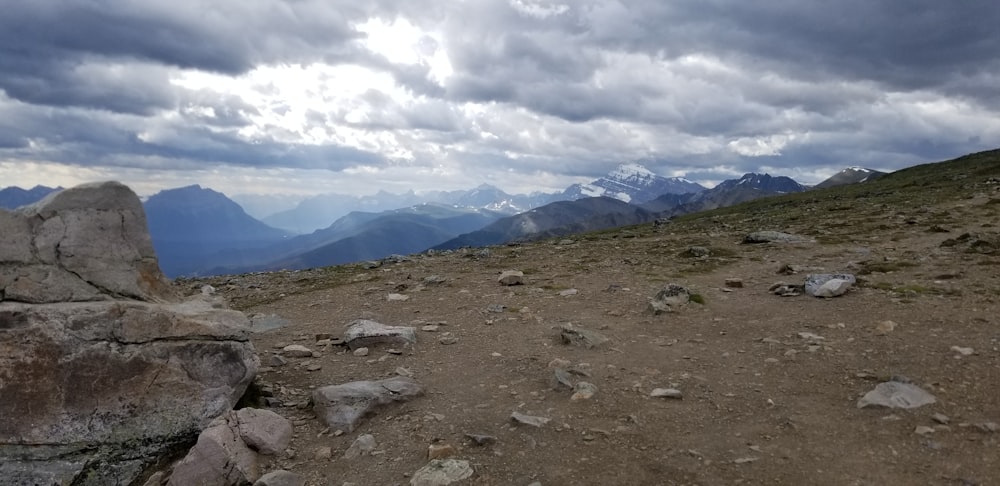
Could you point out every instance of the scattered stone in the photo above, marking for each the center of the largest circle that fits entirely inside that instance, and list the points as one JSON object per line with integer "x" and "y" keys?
{"x": 962, "y": 351}
{"x": 343, "y": 406}
{"x": 277, "y": 360}
{"x": 884, "y": 327}
{"x": 785, "y": 289}
{"x": 697, "y": 252}
{"x": 430, "y": 328}
{"x": 666, "y": 393}
{"x": 773, "y": 237}
{"x": 314, "y": 367}
{"x": 557, "y": 363}
{"x": 562, "y": 378}
{"x": 397, "y": 297}
{"x": 578, "y": 336}
{"x": 923, "y": 430}
{"x": 440, "y": 451}
{"x": 280, "y": 478}
{"x": 447, "y": 340}
{"x": 481, "y": 439}
{"x": 745, "y": 460}
{"x": 531, "y": 420}
{"x": 496, "y": 308}
{"x": 828, "y": 284}
{"x": 323, "y": 453}
{"x": 810, "y": 336}
{"x": 988, "y": 427}
{"x": 734, "y": 283}
{"x": 365, "y": 333}
{"x": 583, "y": 391}
{"x": 894, "y": 394}
{"x": 297, "y": 351}
{"x": 568, "y": 292}
{"x": 669, "y": 299}
{"x": 940, "y": 418}
{"x": 791, "y": 269}
{"x": 361, "y": 446}
{"x": 511, "y": 277}
{"x": 434, "y": 280}
{"x": 361, "y": 352}
{"x": 441, "y": 472}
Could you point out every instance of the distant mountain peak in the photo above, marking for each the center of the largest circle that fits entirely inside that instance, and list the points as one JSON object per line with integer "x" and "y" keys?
{"x": 851, "y": 175}
{"x": 632, "y": 182}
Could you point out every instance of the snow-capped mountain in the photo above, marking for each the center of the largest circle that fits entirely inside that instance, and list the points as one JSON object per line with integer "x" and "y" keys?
{"x": 851, "y": 175}
{"x": 632, "y": 183}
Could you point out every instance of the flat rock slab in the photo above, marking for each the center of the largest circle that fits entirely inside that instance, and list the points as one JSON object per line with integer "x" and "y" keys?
{"x": 442, "y": 472}
{"x": 363, "y": 333}
{"x": 531, "y": 420}
{"x": 582, "y": 337}
{"x": 343, "y": 406}
{"x": 774, "y": 237}
{"x": 894, "y": 394}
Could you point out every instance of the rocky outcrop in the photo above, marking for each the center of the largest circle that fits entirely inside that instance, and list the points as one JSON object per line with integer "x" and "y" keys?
{"x": 103, "y": 370}
{"x": 87, "y": 243}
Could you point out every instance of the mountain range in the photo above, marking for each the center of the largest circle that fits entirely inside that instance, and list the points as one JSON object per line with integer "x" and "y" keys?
{"x": 198, "y": 231}
{"x": 15, "y": 197}
{"x": 632, "y": 183}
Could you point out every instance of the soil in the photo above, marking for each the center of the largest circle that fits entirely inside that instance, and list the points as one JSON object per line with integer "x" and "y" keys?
{"x": 761, "y": 403}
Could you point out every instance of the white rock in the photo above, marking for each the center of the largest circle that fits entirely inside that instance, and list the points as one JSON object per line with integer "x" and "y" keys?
{"x": 894, "y": 394}
{"x": 666, "y": 393}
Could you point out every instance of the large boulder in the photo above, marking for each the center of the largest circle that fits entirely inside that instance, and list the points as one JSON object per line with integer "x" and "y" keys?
{"x": 104, "y": 372}
{"x": 87, "y": 243}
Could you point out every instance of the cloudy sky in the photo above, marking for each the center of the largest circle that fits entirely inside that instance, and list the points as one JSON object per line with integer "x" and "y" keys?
{"x": 310, "y": 96}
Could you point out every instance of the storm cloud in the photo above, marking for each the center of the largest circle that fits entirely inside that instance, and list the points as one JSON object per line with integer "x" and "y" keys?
{"x": 451, "y": 94}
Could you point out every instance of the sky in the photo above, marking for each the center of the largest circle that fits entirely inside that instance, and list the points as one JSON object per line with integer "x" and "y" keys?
{"x": 317, "y": 96}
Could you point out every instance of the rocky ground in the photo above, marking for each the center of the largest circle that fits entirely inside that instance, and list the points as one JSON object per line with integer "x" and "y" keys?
{"x": 766, "y": 387}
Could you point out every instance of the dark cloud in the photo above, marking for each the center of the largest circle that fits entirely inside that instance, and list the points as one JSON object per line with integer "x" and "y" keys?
{"x": 708, "y": 86}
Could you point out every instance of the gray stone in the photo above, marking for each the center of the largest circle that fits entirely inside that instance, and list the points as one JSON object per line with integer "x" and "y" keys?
{"x": 219, "y": 458}
{"x": 361, "y": 446}
{"x": 828, "y": 284}
{"x": 774, "y": 237}
{"x": 582, "y": 337}
{"x": 481, "y": 439}
{"x": 263, "y": 430}
{"x": 894, "y": 394}
{"x": 366, "y": 333}
{"x": 785, "y": 289}
{"x": 583, "y": 391}
{"x": 511, "y": 277}
{"x": 441, "y": 472}
{"x": 343, "y": 406}
{"x": 531, "y": 420}
{"x": 666, "y": 393}
{"x": 86, "y": 243}
{"x": 671, "y": 298}
{"x": 296, "y": 351}
{"x": 697, "y": 252}
{"x": 280, "y": 478}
